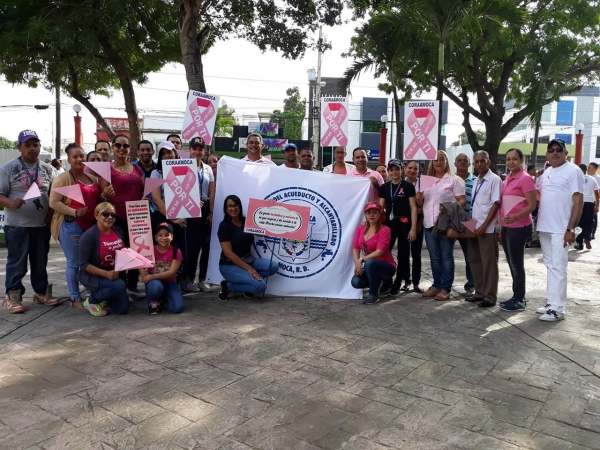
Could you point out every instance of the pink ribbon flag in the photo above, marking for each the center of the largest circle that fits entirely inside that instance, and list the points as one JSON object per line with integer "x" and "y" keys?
{"x": 200, "y": 116}
{"x": 32, "y": 192}
{"x": 333, "y": 122}
{"x": 101, "y": 168}
{"x": 73, "y": 192}
{"x": 510, "y": 201}
{"x": 151, "y": 184}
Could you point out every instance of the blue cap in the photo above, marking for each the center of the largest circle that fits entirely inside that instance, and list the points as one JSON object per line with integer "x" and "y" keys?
{"x": 288, "y": 146}
{"x": 25, "y": 135}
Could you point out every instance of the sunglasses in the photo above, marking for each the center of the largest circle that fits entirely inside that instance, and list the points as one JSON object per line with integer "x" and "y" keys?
{"x": 108, "y": 214}
{"x": 555, "y": 150}
{"x": 118, "y": 146}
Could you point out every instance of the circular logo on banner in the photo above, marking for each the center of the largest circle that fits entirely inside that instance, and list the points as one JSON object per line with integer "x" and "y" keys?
{"x": 303, "y": 259}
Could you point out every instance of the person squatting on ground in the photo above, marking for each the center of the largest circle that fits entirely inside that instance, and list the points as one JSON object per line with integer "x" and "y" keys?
{"x": 240, "y": 269}
{"x": 161, "y": 280}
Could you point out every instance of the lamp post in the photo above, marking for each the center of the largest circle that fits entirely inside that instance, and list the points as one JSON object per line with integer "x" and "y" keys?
{"x": 579, "y": 142}
{"x": 312, "y": 80}
{"x": 382, "y": 139}
{"x": 77, "y": 118}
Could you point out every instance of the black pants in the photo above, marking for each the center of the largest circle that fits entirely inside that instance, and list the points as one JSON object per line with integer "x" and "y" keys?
{"x": 416, "y": 247}
{"x": 595, "y": 225}
{"x": 400, "y": 232}
{"x": 513, "y": 243}
{"x": 586, "y": 222}
{"x": 194, "y": 241}
{"x": 130, "y": 277}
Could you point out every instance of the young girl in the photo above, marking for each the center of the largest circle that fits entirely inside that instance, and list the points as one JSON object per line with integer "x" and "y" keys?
{"x": 161, "y": 281}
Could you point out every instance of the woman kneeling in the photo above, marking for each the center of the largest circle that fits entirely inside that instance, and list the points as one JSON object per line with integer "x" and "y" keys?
{"x": 373, "y": 260}
{"x": 241, "y": 270}
{"x": 97, "y": 248}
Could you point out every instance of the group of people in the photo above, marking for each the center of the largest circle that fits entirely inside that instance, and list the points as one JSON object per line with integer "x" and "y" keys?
{"x": 398, "y": 211}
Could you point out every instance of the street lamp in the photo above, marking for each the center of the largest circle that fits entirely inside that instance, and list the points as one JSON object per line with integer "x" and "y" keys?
{"x": 77, "y": 118}
{"x": 579, "y": 142}
{"x": 382, "y": 139}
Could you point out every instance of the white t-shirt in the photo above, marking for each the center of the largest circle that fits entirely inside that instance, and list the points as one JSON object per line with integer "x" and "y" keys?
{"x": 589, "y": 186}
{"x": 205, "y": 177}
{"x": 557, "y": 186}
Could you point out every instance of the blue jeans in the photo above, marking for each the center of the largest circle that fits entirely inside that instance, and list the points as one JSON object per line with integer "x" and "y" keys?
{"x": 441, "y": 254}
{"x": 157, "y": 289}
{"x": 68, "y": 237}
{"x": 112, "y": 292}
{"x": 240, "y": 280}
{"x": 464, "y": 244}
{"x": 375, "y": 271}
{"x": 23, "y": 243}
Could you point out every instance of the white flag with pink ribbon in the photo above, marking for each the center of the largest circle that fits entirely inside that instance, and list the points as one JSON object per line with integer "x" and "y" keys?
{"x": 200, "y": 116}
{"x": 334, "y": 121}
{"x": 421, "y": 118}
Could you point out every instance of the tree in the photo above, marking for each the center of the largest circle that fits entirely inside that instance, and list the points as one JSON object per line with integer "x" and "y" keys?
{"x": 292, "y": 116}
{"x": 64, "y": 44}
{"x": 269, "y": 24}
{"x": 225, "y": 121}
{"x": 7, "y": 144}
{"x": 494, "y": 58}
{"x": 463, "y": 139}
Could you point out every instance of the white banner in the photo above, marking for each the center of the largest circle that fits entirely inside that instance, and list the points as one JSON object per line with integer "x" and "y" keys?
{"x": 421, "y": 119}
{"x": 182, "y": 193}
{"x": 200, "y": 116}
{"x": 322, "y": 266}
{"x": 334, "y": 121}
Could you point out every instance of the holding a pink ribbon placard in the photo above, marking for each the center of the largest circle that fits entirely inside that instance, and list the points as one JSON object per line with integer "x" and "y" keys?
{"x": 200, "y": 116}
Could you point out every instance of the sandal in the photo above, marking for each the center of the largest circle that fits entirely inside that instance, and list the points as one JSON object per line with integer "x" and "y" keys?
{"x": 431, "y": 292}
{"x": 76, "y": 304}
{"x": 418, "y": 289}
{"x": 443, "y": 295}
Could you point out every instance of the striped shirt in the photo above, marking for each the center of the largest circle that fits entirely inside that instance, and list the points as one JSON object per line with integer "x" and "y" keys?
{"x": 468, "y": 188}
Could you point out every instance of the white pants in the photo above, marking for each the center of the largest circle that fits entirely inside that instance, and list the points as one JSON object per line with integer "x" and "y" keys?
{"x": 556, "y": 259}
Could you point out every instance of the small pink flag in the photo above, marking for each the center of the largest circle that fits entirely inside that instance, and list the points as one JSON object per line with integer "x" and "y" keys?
{"x": 510, "y": 201}
{"x": 426, "y": 181}
{"x": 127, "y": 259}
{"x": 101, "y": 168}
{"x": 33, "y": 192}
{"x": 471, "y": 224}
{"x": 73, "y": 192}
{"x": 183, "y": 154}
{"x": 151, "y": 184}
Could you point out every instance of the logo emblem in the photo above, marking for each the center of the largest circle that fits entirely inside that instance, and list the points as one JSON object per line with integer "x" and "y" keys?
{"x": 303, "y": 259}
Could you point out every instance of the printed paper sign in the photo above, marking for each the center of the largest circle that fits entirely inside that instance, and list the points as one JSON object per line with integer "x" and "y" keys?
{"x": 334, "y": 121}
{"x": 421, "y": 129}
{"x": 182, "y": 194}
{"x": 140, "y": 227}
{"x": 284, "y": 220}
{"x": 200, "y": 116}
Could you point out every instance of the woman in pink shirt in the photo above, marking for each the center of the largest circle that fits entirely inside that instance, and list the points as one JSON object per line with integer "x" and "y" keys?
{"x": 516, "y": 224}
{"x": 373, "y": 261}
{"x": 449, "y": 188}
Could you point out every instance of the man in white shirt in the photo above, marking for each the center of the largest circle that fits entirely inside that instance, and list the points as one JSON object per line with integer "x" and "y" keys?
{"x": 561, "y": 203}
{"x": 483, "y": 249}
{"x": 254, "y": 147}
{"x": 590, "y": 207}
{"x": 592, "y": 171}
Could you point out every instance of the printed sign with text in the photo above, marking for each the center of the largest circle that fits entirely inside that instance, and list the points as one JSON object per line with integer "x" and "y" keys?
{"x": 200, "y": 116}
{"x": 182, "y": 194}
{"x": 421, "y": 129}
{"x": 284, "y": 220}
{"x": 140, "y": 228}
{"x": 334, "y": 121}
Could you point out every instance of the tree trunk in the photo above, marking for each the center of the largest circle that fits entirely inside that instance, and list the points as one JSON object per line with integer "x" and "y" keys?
{"x": 192, "y": 44}
{"x": 399, "y": 141}
{"x": 58, "y": 124}
{"x": 536, "y": 136}
{"x": 493, "y": 139}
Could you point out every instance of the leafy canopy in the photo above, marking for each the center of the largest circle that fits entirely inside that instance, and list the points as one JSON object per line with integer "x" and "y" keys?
{"x": 292, "y": 116}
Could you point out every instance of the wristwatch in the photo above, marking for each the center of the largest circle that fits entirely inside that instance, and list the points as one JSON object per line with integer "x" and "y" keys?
{"x": 571, "y": 230}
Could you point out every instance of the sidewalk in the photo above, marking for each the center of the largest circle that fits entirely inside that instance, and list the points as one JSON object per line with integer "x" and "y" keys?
{"x": 307, "y": 373}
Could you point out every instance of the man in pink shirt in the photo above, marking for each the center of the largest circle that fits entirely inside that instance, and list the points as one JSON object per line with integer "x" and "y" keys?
{"x": 359, "y": 158}
{"x": 254, "y": 147}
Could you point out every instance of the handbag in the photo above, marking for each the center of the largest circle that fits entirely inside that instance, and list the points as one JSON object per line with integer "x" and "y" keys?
{"x": 451, "y": 233}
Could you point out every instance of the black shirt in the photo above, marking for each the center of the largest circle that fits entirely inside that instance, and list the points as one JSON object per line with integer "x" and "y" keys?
{"x": 241, "y": 242}
{"x": 401, "y": 204}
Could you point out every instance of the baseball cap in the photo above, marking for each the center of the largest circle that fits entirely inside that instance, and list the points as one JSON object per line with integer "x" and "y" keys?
{"x": 25, "y": 135}
{"x": 288, "y": 146}
{"x": 373, "y": 205}
{"x": 166, "y": 144}
{"x": 394, "y": 162}
{"x": 560, "y": 142}
{"x": 164, "y": 225}
{"x": 197, "y": 141}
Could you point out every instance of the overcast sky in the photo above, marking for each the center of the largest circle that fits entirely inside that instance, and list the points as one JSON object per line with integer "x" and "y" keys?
{"x": 228, "y": 68}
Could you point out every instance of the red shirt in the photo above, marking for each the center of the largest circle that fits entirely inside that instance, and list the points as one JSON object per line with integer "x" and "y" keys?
{"x": 517, "y": 185}
{"x": 109, "y": 244}
{"x": 162, "y": 262}
{"x": 90, "y": 197}
{"x": 127, "y": 186}
{"x": 379, "y": 241}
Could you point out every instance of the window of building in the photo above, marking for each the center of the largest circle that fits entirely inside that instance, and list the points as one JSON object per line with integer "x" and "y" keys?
{"x": 564, "y": 112}
{"x": 371, "y": 126}
{"x": 565, "y": 137}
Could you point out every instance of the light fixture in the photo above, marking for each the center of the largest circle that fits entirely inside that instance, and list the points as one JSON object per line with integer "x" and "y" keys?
{"x": 384, "y": 119}
{"x": 322, "y": 84}
{"x": 77, "y": 108}
{"x": 312, "y": 75}
{"x": 579, "y": 127}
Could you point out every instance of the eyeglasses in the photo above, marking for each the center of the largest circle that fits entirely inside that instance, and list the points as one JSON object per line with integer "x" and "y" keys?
{"x": 555, "y": 150}
{"x": 233, "y": 206}
{"x": 118, "y": 146}
{"x": 108, "y": 214}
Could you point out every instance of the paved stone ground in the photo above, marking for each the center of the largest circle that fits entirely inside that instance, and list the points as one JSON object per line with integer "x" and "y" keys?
{"x": 306, "y": 373}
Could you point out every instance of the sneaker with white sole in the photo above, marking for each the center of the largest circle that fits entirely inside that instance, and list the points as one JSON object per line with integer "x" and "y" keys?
{"x": 552, "y": 316}
{"x": 543, "y": 309}
{"x": 14, "y": 302}
{"x": 224, "y": 292}
{"x": 204, "y": 286}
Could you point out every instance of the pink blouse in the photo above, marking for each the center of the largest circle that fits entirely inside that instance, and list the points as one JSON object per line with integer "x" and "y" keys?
{"x": 518, "y": 185}
{"x": 379, "y": 241}
{"x": 445, "y": 190}
{"x": 128, "y": 187}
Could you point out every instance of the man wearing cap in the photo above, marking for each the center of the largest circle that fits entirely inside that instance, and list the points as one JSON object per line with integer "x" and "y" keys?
{"x": 254, "y": 144}
{"x": 290, "y": 152}
{"x": 359, "y": 158}
{"x": 26, "y": 233}
{"x": 561, "y": 204}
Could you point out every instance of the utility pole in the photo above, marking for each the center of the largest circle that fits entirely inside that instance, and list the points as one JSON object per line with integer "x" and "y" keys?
{"x": 57, "y": 136}
{"x": 317, "y": 102}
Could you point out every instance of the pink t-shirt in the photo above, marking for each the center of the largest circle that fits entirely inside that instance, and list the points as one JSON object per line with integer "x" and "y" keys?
{"x": 517, "y": 185}
{"x": 445, "y": 190}
{"x": 109, "y": 244}
{"x": 127, "y": 186}
{"x": 163, "y": 261}
{"x": 379, "y": 241}
{"x": 374, "y": 191}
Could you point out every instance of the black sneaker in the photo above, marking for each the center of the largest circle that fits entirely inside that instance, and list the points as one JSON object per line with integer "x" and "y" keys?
{"x": 224, "y": 292}
{"x": 248, "y": 295}
{"x": 513, "y": 305}
{"x": 395, "y": 290}
{"x": 370, "y": 300}
{"x": 506, "y": 301}
{"x": 153, "y": 308}
{"x": 385, "y": 288}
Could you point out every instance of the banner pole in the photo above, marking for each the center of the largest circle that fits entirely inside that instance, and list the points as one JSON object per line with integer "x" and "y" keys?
{"x": 267, "y": 278}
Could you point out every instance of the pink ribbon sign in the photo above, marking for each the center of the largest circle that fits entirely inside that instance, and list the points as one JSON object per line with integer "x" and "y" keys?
{"x": 140, "y": 228}
{"x": 200, "y": 117}
{"x": 140, "y": 246}
{"x": 420, "y": 131}
{"x": 181, "y": 191}
{"x": 334, "y": 124}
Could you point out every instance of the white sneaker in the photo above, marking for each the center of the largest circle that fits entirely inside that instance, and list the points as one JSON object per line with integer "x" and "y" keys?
{"x": 204, "y": 286}
{"x": 552, "y": 316}
{"x": 543, "y": 309}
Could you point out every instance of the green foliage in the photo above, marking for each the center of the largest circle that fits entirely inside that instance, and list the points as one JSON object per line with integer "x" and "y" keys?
{"x": 292, "y": 116}
{"x": 463, "y": 138}
{"x": 7, "y": 144}
{"x": 225, "y": 121}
